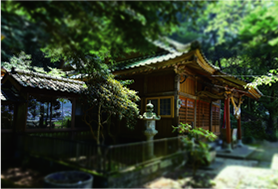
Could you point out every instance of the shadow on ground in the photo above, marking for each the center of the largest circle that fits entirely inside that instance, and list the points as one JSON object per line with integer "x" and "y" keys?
{"x": 258, "y": 170}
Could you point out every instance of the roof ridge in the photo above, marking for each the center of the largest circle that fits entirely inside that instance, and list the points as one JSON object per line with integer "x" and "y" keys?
{"x": 47, "y": 76}
{"x": 142, "y": 57}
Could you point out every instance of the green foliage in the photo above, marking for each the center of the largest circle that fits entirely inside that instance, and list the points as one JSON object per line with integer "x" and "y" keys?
{"x": 110, "y": 97}
{"x": 114, "y": 98}
{"x": 243, "y": 40}
{"x": 254, "y": 26}
{"x": 269, "y": 79}
{"x": 23, "y": 62}
{"x": 199, "y": 151}
{"x": 253, "y": 129}
{"x": 73, "y": 30}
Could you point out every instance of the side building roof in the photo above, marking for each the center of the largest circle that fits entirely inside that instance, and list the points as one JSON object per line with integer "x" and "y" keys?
{"x": 37, "y": 82}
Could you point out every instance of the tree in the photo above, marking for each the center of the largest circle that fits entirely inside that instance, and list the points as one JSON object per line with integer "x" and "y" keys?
{"x": 104, "y": 29}
{"x": 23, "y": 62}
{"x": 253, "y": 25}
{"x": 109, "y": 98}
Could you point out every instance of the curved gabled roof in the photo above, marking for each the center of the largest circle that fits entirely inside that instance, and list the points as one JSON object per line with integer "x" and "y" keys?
{"x": 189, "y": 54}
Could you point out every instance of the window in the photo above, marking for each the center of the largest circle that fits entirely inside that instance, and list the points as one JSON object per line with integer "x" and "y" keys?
{"x": 163, "y": 106}
{"x": 48, "y": 113}
{"x": 186, "y": 111}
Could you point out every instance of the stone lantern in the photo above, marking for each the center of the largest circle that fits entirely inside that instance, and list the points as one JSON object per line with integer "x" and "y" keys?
{"x": 149, "y": 118}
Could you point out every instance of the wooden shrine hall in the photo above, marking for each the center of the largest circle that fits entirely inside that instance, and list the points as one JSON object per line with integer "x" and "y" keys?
{"x": 183, "y": 87}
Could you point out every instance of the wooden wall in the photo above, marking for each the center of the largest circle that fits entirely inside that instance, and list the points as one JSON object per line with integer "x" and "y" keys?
{"x": 203, "y": 114}
{"x": 156, "y": 84}
{"x": 160, "y": 83}
{"x": 215, "y": 119}
{"x": 163, "y": 126}
{"x": 152, "y": 83}
{"x": 188, "y": 86}
{"x": 186, "y": 111}
{"x": 137, "y": 85}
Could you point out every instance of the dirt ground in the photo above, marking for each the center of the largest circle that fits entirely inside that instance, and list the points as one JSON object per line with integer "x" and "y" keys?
{"x": 259, "y": 170}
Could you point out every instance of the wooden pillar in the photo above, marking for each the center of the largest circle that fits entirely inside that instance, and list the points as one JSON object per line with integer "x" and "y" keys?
{"x": 73, "y": 108}
{"x": 176, "y": 99}
{"x": 195, "y": 113}
{"x": 210, "y": 116}
{"x": 228, "y": 125}
{"x": 21, "y": 117}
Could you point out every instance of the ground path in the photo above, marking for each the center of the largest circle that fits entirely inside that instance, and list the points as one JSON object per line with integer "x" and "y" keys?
{"x": 258, "y": 170}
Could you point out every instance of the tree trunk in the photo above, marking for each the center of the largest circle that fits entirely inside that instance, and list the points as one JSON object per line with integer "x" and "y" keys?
{"x": 99, "y": 123}
{"x": 272, "y": 123}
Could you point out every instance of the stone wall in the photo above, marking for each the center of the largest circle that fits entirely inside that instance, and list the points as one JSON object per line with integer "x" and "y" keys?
{"x": 137, "y": 176}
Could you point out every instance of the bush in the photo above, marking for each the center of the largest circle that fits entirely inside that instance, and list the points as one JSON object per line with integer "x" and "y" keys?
{"x": 253, "y": 130}
{"x": 198, "y": 150}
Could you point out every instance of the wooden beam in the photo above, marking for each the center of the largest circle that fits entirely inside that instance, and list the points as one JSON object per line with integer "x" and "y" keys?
{"x": 168, "y": 93}
{"x": 187, "y": 95}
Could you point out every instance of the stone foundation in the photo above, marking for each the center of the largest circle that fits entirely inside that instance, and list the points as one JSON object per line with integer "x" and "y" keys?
{"x": 133, "y": 177}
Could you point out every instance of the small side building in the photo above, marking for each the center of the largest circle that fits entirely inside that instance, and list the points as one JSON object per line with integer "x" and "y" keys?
{"x": 39, "y": 104}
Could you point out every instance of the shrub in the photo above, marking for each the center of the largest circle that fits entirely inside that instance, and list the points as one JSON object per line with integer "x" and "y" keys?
{"x": 198, "y": 150}
{"x": 253, "y": 130}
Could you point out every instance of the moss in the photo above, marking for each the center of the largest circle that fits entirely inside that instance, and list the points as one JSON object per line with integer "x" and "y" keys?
{"x": 70, "y": 166}
{"x": 9, "y": 184}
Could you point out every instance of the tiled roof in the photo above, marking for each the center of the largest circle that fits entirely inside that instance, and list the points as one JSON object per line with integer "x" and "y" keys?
{"x": 43, "y": 81}
{"x": 147, "y": 60}
{"x": 171, "y": 51}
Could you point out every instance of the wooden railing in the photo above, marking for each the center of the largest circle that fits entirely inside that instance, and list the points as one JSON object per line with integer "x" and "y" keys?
{"x": 101, "y": 158}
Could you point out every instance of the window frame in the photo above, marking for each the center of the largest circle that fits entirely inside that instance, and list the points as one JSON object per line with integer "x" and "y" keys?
{"x": 158, "y": 103}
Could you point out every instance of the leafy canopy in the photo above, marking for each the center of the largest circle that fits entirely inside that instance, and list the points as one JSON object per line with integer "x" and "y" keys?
{"x": 23, "y": 62}
{"x": 250, "y": 26}
{"x": 106, "y": 29}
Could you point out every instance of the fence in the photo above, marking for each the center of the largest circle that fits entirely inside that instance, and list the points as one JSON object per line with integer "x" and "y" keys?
{"x": 101, "y": 158}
